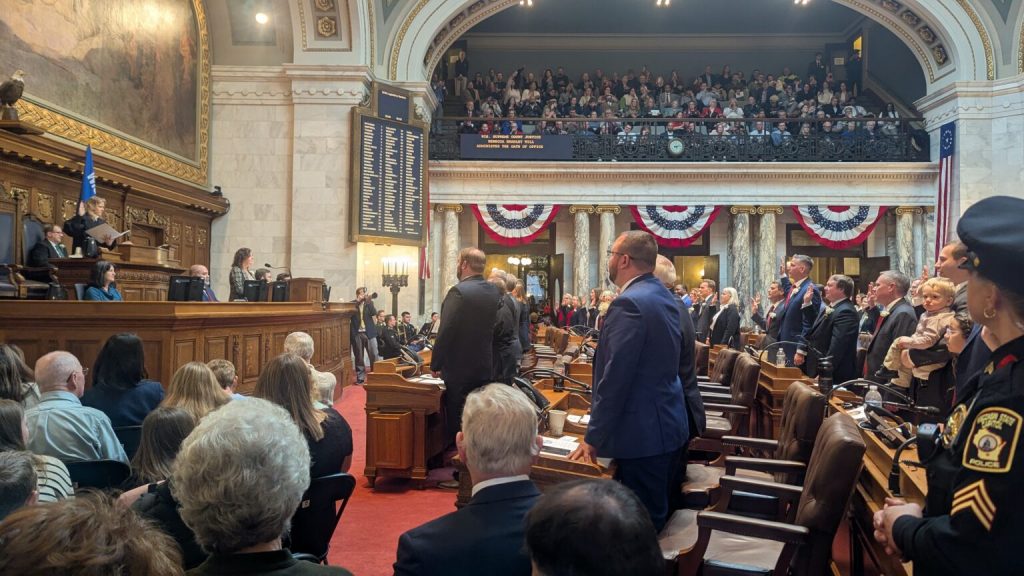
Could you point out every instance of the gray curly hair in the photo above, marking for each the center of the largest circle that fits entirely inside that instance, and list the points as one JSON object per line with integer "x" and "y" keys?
{"x": 240, "y": 475}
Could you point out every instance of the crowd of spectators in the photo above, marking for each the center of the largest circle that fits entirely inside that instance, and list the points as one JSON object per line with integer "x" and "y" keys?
{"x": 726, "y": 103}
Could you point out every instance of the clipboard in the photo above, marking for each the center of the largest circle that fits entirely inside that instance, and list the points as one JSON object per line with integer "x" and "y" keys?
{"x": 103, "y": 230}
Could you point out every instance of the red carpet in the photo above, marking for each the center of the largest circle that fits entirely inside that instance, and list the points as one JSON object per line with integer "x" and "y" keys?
{"x": 367, "y": 536}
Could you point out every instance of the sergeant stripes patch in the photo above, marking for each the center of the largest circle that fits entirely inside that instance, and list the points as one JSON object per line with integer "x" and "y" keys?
{"x": 974, "y": 497}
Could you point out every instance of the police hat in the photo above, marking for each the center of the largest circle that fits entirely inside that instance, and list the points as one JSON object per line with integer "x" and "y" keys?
{"x": 993, "y": 233}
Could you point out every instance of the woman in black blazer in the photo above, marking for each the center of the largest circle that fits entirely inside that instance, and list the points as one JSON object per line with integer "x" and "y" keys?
{"x": 91, "y": 216}
{"x": 725, "y": 326}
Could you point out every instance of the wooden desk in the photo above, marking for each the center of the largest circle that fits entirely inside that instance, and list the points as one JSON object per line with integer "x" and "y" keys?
{"x": 771, "y": 389}
{"x": 137, "y": 282}
{"x": 173, "y": 333}
{"x": 306, "y": 290}
{"x": 549, "y": 469}
{"x": 866, "y": 556}
{"x": 405, "y": 427}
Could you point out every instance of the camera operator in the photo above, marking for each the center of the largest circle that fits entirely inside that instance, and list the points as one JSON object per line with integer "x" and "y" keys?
{"x": 364, "y": 332}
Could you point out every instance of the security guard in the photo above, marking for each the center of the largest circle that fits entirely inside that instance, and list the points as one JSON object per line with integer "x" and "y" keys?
{"x": 973, "y": 520}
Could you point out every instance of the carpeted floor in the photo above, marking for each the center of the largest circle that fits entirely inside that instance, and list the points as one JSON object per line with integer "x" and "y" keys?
{"x": 367, "y": 536}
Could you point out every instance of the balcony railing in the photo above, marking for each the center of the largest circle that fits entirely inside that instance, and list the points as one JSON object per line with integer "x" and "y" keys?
{"x": 679, "y": 140}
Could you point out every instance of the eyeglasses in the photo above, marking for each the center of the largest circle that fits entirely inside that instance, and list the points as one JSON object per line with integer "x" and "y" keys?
{"x": 631, "y": 257}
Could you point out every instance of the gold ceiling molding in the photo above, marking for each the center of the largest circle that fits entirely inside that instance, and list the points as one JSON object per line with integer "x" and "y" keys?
{"x": 102, "y": 140}
{"x": 581, "y": 208}
{"x": 769, "y": 210}
{"x": 372, "y": 21}
{"x": 742, "y": 209}
{"x": 459, "y": 25}
{"x": 609, "y": 208}
{"x": 396, "y": 48}
{"x": 986, "y": 43}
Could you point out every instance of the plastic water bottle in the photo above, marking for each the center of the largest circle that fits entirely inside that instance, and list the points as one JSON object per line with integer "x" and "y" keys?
{"x": 780, "y": 357}
{"x": 873, "y": 397}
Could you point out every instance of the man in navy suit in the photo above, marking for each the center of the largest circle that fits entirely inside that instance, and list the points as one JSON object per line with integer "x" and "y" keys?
{"x": 638, "y": 415}
{"x": 896, "y": 319}
{"x": 200, "y": 271}
{"x": 704, "y": 309}
{"x": 833, "y": 333}
{"x": 793, "y": 323}
{"x": 499, "y": 444}
{"x": 50, "y": 247}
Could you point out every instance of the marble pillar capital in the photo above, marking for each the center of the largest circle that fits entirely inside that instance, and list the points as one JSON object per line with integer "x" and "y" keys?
{"x": 457, "y": 208}
{"x": 742, "y": 210}
{"x": 901, "y": 210}
{"x": 769, "y": 210}
{"x": 607, "y": 209}
{"x": 577, "y": 208}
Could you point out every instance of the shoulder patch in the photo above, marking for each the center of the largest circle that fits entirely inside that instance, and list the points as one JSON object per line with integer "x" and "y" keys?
{"x": 992, "y": 442}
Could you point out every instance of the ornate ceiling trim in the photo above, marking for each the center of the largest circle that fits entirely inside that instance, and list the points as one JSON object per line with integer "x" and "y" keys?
{"x": 986, "y": 42}
{"x": 396, "y": 48}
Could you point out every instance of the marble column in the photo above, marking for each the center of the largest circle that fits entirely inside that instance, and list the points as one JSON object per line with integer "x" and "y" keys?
{"x": 929, "y": 236}
{"x": 581, "y": 249}
{"x": 905, "y": 240}
{"x": 767, "y": 256}
{"x": 890, "y": 239}
{"x": 918, "y": 235}
{"x": 740, "y": 252}
{"x": 450, "y": 248}
{"x": 435, "y": 283}
{"x": 605, "y": 239}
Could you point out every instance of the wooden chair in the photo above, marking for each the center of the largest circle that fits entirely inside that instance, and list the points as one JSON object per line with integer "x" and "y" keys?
{"x": 99, "y": 474}
{"x": 799, "y": 540}
{"x": 319, "y": 512}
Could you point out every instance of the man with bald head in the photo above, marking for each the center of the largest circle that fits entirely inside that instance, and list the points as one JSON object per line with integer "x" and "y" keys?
{"x": 200, "y": 271}
{"x": 462, "y": 354}
{"x": 60, "y": 426}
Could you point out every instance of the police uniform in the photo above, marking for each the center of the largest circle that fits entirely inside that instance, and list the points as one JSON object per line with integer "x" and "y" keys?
{"x": 974, "y": 514}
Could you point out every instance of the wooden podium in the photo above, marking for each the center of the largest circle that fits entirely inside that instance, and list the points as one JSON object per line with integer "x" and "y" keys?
{"x": 771, "y": 388}
{"x": 306, "y": 290}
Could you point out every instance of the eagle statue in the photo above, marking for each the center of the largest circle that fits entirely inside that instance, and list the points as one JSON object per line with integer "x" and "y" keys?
{"x": 10, "y": 92}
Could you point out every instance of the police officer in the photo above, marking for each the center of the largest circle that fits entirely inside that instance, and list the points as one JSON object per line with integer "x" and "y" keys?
{"x": 974, "y": 514}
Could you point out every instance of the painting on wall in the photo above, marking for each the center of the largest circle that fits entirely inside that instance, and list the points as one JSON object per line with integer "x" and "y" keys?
{"x": 133, "y": 68}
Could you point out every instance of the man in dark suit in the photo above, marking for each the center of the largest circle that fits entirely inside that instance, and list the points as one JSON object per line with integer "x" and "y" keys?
{"x": 704, "y": 310}
{"x": 200, "y": 271}
{"x": 50, "y": 247}
{"x": 767, "y": 321}
{"x": 462, "y": 352}
{"x": 793, "y": 323}
{"x": 833, "y": 333}
{"x": 390, "y": 347}
{"x": 896, "y": 319}
{"x": 506, "y": 349}
{"x": 363, "y": 329}
{"x": 638, "y": 415}
{"x": 498, "y": 443}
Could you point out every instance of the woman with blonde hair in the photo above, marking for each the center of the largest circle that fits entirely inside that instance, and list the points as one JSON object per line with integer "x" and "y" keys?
{"x": 194, "y": 388}
{"x": 725, "y": 325}
{"x": 286, "y": 381}
{"x": 90, "y": 215}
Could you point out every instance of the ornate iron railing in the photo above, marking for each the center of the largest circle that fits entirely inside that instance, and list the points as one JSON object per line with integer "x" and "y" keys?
{"x": 692, "y": 140}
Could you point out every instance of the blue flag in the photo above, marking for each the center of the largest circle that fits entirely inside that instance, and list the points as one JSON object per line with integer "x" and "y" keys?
{"x": 88, "y": 177}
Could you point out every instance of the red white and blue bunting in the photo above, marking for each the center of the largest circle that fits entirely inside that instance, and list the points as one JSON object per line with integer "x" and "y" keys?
{"x": 839, "y": 226}
{"x": 675, "y": 226}
{"x": 514, "y": 224}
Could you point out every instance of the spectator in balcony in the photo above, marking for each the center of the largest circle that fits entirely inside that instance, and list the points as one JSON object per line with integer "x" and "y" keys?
{"x": 788, "y": 76}
{"x": 713, "y": 110}
{"x": 817, "y": 69}
{"x": 594, "y": 125}
{"x": 633, "y": 111}
{"x": 461, "y": 73}
{"x": 677, "y": 125}
{"x": 561, "y": 79}
{"x": 738, "y": 91}
{"x": 627, "y": 100}
{"x": 805, "y": 131}
{"x": 511, "y": 97}
{"x": 825, "y": 128}
{"x": 531, "y": 92}
{"x": 751, "y": 108}
{"x": 833, "y": 109}
{"x": 707, "y": 78}
{"x": 758, "y": 134}
{"x": 858, "y": 109}
{"x": 587, "y": 96}
{"x": 826, "y": 94}
{"x": 649, "y": 108}
{"x": 780, "y": 134}
{"x": 621, "y": 87}
{"x": 675, "y": 81}
{"x": 547, "y": 80}
{"x": 733, "y": 110}
{"x": 890, "y": 120}
{"x": 487, "y": 126}
{"x": 705, "y": 95}
{"x": 531, "y": 108}
{"x": 625, "y": 136}
{"x": 571, "y": 108}
{"x": 843, "y": 94}
{"x": 666, "y": 96}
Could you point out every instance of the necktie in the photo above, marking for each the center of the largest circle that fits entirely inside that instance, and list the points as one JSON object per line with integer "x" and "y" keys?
{"x": 878, "y": 323}
{"x": 60, "y": 250}
{"x": 768, "y": 320}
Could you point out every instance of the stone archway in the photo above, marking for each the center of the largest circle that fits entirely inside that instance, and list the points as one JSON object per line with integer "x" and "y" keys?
{"x": 945, "y": 52}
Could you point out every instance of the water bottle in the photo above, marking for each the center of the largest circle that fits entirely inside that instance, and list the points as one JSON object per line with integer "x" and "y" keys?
{"x": 780, "y": 357}
{"x": 873, "y": 397}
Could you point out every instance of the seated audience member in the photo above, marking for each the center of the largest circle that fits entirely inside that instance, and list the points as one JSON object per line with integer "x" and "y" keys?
{"x": 620, "y": 538}
{"x": 85, "y": 536}
{"x": 498, "y": 443}
{"x": 200, "y": 271}
{"x": 60, "y": 426}
{"x": 286, "y": 381}
{"x": 239, "y": 477}
{"x": 17, "y": 481}
{"x": 224, "y": 372}
{"x": 120, "y": 388}
{"x": 389, "y": 345}
{"x": 301, "y": 344}
{"x": 54, "y": 481}
{"x": 195, "y": 389}
{"x": 102, "y": 287}
{"x": 16, "y": 378}
{"x": 48, "y": 248}
{"x": 162, "y": 434}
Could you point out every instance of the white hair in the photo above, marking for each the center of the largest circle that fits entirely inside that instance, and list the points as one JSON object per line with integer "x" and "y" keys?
{"x": 240, "y": 475}
{"x": 734, "y": 298}
{"x": 499, "y": 425}
{"x": 300, "y": 344}
{"x": 665, "y": 271}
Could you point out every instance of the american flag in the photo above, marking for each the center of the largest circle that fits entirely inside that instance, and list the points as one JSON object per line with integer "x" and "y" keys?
{"x": 944, "y": 196}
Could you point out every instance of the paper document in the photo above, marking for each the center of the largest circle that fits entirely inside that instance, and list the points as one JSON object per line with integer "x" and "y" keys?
{"x": 428, "y": 380}
{"x": 579, "y": 418}
{"x": 560, "y": 446}
{"x": 103, "y": 230}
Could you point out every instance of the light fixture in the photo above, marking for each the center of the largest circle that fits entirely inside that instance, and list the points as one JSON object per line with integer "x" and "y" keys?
{"x": 526, "y": 3}
{"x": 262, "y": 18}
{"x": 801, "y": 2}
{"x": 526, "y": 261}
{"x": 664, "y": 2}
{"x": 514, "y": 260}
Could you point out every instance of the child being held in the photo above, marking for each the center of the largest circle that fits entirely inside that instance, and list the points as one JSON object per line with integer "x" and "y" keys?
{"x": 937, "y": 297}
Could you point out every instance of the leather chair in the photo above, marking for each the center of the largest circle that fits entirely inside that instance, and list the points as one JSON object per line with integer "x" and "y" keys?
{"x": 783, "y": 460}
{"x": 721, "y": 374}
{"x": 730, "y": 415}
{"x": 799, "y": 542}
{"x": 318, "y": 514}
{"x": 130, "y": 438}
{"x": 99, "y": 474}
{"x": 701, "y": 358}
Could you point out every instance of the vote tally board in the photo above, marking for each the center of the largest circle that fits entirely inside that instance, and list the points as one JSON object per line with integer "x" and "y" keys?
{"x": 389, "y": 171}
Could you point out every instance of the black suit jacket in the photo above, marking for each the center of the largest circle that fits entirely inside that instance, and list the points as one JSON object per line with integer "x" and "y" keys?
{"x": 506, "y": 351}
{"x": 771, "y": 328}
{"x": 688, "y": 374}
{"x": 902, "y": 321}
{"x": 484, "y": 537}
{"x": 390, "y": 347}
{"x": 727, "y": 328}
{"x": 703, "y": 312}
{"x": 40, "y": 254}
{"x": 834, "y": 335}
{"x": 462, "y": 351}
{"x": 369, "y": 319}
{"x": 76, "y": 227}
